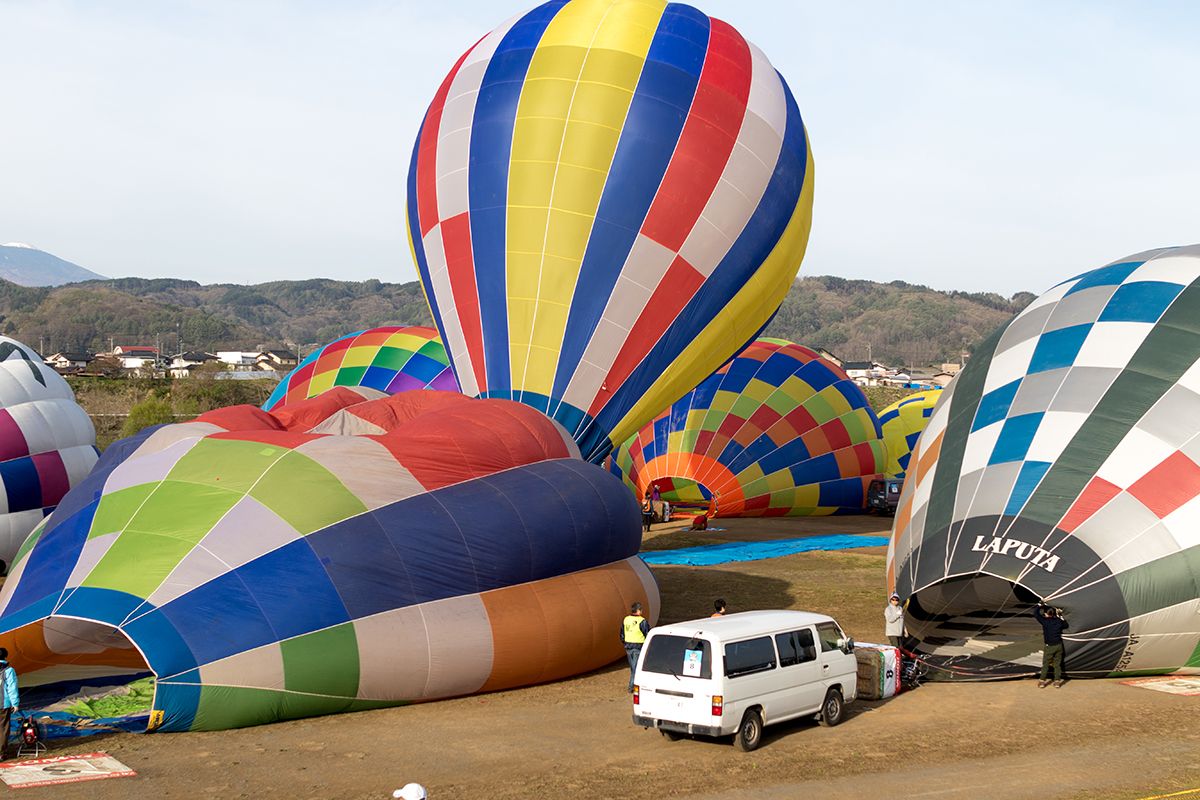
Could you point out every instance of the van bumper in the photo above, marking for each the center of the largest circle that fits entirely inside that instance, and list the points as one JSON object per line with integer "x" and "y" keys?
{"x": 677, "y": 727}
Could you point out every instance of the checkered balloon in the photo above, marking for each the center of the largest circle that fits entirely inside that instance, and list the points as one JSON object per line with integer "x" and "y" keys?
{"x": 1063, "y": 466}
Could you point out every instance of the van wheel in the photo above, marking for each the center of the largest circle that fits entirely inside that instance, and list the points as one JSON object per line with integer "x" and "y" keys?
{"x": 749, "y": 733}
{"x": 670, "y": 736}
{"x": 833, "y": 709}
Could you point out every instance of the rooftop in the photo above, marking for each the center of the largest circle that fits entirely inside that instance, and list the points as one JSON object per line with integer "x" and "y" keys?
{"x": 744, "y": 623}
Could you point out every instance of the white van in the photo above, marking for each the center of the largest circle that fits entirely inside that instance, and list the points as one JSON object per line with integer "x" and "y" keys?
{"x": 737, "y": 673}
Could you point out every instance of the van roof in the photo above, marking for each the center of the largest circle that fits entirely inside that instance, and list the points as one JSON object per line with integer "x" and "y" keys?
{"x": 745, "y": 623}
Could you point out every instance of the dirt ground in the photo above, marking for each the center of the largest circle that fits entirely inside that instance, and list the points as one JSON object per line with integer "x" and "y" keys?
{"x": 575, "y": 739}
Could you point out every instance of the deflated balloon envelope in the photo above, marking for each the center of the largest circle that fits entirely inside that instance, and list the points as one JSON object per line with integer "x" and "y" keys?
{"x": 778, "y": 430}
{"x": 606, "y": 201}
{"x": 47, "y": 443}
{"x": 1063, "y": 465}
{"x": 335, "y": 554}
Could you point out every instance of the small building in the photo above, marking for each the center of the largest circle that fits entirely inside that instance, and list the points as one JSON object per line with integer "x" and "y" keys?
{"x": 828, "y": 356}
{"x": 136, "y": 356}
{"x": 943, "y": 378}
{"x": 239, "y": 360}
{"x": 69, "y": 361}
{"x": 181, "y": 365}
{"x": 281, "y": 361}
{"x": 865, "y": 373}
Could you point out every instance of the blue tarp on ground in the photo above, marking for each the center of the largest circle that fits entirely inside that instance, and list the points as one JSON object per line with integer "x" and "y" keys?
{"x": 756, "y": 551}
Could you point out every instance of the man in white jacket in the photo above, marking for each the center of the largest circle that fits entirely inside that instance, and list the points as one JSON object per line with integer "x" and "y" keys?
{"x": 893, "y": 617}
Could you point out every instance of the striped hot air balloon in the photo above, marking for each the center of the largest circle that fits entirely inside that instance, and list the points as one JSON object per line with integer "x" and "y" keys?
{"x": 607, "y": 200}
{"x": 1062, "y": 466}
{"x": 333, "y": 555}
{"x": 776, "y": 431}
{"x": 388, "y": 359}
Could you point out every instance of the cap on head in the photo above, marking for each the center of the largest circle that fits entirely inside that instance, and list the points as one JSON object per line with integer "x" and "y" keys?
{"x": 411, "y": 791}
{"x": 894, "y": 596}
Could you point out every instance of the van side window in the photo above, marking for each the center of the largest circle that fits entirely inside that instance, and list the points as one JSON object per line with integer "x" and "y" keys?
{"x": 829, "y": 633}
{"x": 795, "y": 647}
{"x": 752, "y": 655}
{"x": 808, "y": 648}
{"x": 788, "y": 655}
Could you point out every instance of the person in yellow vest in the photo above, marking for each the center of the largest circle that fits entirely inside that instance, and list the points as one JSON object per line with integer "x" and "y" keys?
{"x": 633, "y": 635}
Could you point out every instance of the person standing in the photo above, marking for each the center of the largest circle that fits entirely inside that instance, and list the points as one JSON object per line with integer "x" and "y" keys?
{"x": 893, "y": 618}
{"x": 1053, "y": 626}
{"x": 633, "y": 635}
{"x": 8, "y": 692}
{"x": 719, "y": 607}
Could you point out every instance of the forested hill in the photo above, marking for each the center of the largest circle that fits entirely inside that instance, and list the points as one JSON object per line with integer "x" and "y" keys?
{"x": 901, "y": 322}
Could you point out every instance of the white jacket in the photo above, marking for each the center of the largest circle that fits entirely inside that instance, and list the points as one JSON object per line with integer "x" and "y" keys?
{"x": 894, "y": 617}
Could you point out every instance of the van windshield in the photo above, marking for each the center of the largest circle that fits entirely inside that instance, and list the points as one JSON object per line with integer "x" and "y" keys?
{"x": 678, "y": 655}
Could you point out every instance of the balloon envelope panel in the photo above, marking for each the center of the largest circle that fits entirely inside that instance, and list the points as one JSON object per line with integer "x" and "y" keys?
{"x": 606, "y": 199}
{"x": 778, "y": 430}
{"x": 47, "y": 443}
{"x": 407, "y": 548}
{"x": 902, "y": 423}
{"x": 1063, "y": 464}
{"x": 389, "y": 359}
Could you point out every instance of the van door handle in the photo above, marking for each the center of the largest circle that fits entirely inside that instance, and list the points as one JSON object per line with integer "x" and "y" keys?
{"x": 825, "y": 667}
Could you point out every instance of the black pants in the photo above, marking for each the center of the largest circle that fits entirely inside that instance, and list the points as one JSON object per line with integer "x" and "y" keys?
{"x": 5, "y": 720}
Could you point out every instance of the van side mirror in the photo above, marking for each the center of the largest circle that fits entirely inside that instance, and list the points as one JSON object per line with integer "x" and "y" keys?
{"x": 846, "y": 645}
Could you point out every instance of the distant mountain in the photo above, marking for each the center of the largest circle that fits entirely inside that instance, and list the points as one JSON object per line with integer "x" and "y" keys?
{"x": 896, "y": 323}
{"x": 25, "y": 265}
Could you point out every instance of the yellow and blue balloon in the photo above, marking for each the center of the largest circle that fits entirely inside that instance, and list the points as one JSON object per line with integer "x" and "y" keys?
{"x": 607, "y": 200}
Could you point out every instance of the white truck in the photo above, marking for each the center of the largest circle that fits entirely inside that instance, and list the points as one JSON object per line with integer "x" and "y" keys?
{"x": 736, "y": 673}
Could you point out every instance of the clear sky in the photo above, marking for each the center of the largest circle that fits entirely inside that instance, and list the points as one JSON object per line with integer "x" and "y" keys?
{"x": 978, "y": 146}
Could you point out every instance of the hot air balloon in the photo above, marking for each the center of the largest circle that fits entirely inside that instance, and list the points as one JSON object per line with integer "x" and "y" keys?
{"x": 902, "y": 423}
{"x": 778, "y": 430}
{"x": 47, "y": 443}
{"x": 606, "y": 201}
{"x": 334, "y": 555}
{"x": 1062, "y": 466}
{"x": 388, "y": 359}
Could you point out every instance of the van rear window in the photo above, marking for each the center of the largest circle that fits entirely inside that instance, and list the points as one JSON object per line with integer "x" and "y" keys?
{"x": 678, "y": 655}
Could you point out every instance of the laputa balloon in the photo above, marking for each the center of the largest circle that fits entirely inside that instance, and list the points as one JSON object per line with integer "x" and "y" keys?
{"x": 606, "y": 201}
{"x": 1062, "y": 466}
